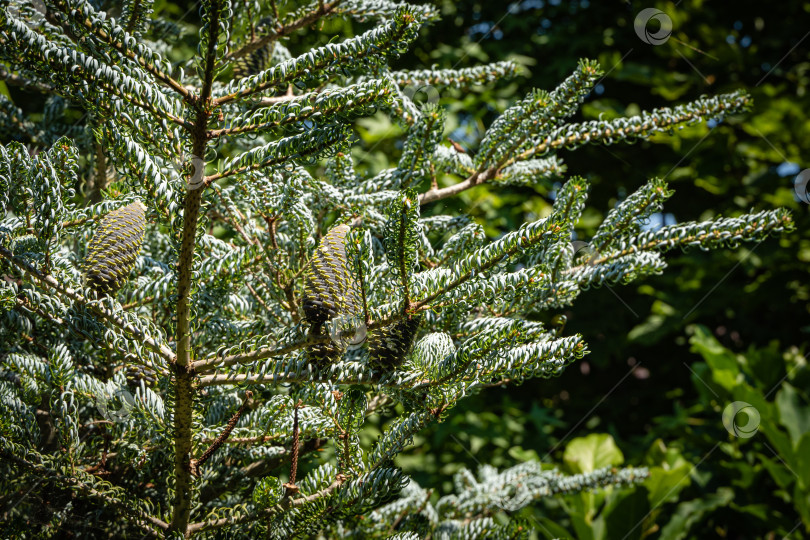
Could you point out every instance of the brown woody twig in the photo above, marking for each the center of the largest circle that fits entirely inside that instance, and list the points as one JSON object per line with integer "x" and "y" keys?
{"x": 195, "y": 463}
{"x": 291, "y": 488}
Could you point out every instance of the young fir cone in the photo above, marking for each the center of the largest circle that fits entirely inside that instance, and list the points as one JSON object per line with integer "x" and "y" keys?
{"x": 330, "y": 291}
{"x": 388, "y": 347}
{"x": 114, "y": 248}
{"x": 135, "y": 374}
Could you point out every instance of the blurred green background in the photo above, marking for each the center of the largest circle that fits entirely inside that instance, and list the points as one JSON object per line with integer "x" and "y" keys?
{"x": 670, "y": 353}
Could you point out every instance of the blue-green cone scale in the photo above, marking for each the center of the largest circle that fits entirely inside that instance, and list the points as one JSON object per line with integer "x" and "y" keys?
{"x": 113, "y": 251}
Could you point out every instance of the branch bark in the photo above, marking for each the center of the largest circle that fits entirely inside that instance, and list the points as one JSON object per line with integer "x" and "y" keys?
{"x": 214, "y": 362}
{"x": 16, "y": 80}
{"x": 184, "y": 372}
{"x": 479, "y": 177}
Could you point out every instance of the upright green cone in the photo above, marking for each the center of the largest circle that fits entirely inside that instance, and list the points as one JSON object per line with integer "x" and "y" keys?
{"x": 388, "y": 347}
{"x": 330, "y": 290}
{"x": 114, "y": 248}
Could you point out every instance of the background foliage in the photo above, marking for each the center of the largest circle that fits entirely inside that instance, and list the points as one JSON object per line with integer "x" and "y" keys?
{"x": 643, "y": 383}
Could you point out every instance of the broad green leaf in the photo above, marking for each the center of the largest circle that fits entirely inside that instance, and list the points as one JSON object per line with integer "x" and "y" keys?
{"x": 665, "y": 484}
{"x": 587, "y": 530}
{"x": 689, "y": 513}
{"x": 803, "y": 462}
{"x": 550, "y": 530}
{"x": 625, "y": 514}
{"x": 725, "y": 369}
{"x": 801, "y": 501}
{"x": 586, "y": 454}
{"x": 780, "y": 474}
{"x": 664, "y": 456}
{"x": 760, "y": 511}
{"x": 793, "y": 413}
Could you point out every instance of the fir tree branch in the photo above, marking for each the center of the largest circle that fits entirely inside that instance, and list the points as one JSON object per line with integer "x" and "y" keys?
{"x": 377, "y": 43}
{"x": 142, "y": 168}
{"x": 247, "y": 440}
{"x": 17, "y": 80}
{"x": 518, "y": 486}
{"x": 239, "y": 379}
{"x": 273, "y": 100}
{"x": 28, "y": 306}
{"x": 277, "y": 152}
{"x": 284, "y": 30}
{"x": 376, "y": 379}
{"x": 571, "y": 136}
{"x": 473, "y": 180}
{"x": 78, "y": 76}
{"x": 399, "y": 434}
{"x": 50, "y": 282}
{"x": 493, "y": 254}
{"x": 84, "y": 16}
{"x": 87, "y": 485}
{"x": 196, "y": 463}
{"x": 133, "y": 21}
{"x": 457, "y": 78}
{"x": 706, "y": 234}
{"x": 181, "y": 507}
{"x": 215, "y": 361}
{"x": 285, "y": 505}
{"x": 319, "y": 106}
